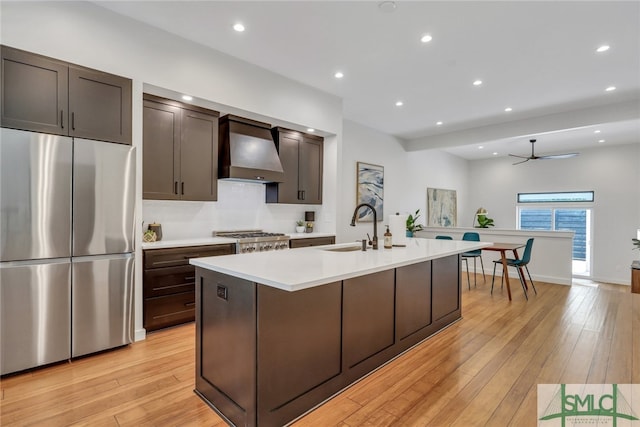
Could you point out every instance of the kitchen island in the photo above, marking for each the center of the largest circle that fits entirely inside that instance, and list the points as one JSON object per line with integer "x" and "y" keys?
{"x": 277, "y": 333}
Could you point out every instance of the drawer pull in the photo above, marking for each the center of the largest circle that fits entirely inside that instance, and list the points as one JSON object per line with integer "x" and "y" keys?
{"x": 189, "y": 304}
{"x": 191, "y": 256}
{"x": 190, "y": 278}
{"x": 162, "y": 288}
{"x": 171, "y": 261}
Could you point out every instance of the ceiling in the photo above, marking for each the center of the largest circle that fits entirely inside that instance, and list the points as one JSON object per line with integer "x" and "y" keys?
{"x": 537, "y": 57}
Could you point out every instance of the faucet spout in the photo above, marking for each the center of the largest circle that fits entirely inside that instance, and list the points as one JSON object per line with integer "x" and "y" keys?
{"x": 374, "y": 241}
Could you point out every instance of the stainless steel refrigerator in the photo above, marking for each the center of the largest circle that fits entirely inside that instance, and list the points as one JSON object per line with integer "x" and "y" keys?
{"x": 66, "y": 247}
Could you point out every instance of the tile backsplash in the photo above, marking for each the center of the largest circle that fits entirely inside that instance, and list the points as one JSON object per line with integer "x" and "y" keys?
{"x": 240, "y": 206}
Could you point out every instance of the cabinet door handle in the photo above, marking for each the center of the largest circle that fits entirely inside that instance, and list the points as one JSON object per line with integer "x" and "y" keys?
{"x": 303, "y": 195}
{"x": 190, "y": 278}
{"x": 189, "y": 304}
{"x": 62, "y": 119}
{"x": 175, "y": 187}
{"x": 182, "y": 189}
{"x": 73, "y": 121}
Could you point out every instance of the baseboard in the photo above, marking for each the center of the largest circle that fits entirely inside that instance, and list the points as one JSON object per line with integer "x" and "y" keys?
{"x": 550, "y": 279}
{"x": 612, "y": 281}
{"x": 140, "y": 334}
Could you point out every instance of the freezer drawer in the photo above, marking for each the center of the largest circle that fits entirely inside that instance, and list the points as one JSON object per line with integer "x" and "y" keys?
{"x": 103, "y": 197}
{"x": 35, "y": 195}
{"x": 35, "y": 314}
{"x": 102, "y": 308}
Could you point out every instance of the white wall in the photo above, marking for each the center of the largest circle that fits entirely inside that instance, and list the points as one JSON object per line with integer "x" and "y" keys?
{"x": 406, "y": 177}
{"x": 612, "y": 172}
{"x": 88, "y": 35}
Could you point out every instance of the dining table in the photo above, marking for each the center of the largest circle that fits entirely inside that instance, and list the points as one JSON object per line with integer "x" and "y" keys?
{"x": 503, "y": 248}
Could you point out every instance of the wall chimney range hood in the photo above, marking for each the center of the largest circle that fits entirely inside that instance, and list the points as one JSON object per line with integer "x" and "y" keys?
{"x": 247, "y": 151}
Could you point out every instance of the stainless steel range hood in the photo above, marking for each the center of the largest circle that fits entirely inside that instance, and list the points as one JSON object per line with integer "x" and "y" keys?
{"x": 247, "y": 151}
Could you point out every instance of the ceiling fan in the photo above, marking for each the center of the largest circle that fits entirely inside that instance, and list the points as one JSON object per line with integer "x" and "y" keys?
{"x": 534, "y": 157}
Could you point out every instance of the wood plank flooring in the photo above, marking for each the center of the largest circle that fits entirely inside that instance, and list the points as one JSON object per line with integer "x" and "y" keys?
{"x": 483, "y": 370}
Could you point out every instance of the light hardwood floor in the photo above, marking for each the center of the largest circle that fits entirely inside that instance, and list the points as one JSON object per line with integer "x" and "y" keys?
{"x": 483, "y": 370}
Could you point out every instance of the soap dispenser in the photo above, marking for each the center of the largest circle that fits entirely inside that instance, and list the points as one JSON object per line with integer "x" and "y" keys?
{"x": 388, "y": 244}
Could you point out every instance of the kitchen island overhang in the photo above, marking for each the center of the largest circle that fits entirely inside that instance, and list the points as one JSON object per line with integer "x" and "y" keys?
{"x": 278, "y": 333}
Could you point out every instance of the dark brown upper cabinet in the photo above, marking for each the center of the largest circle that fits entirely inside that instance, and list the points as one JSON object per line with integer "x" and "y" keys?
{"x": 180, "y": 151}
{"x": 301, "y": 158}
{"x": 46, "y": 95}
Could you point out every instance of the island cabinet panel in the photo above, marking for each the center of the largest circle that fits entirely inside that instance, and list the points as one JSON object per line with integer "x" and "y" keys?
{"x": 445, "y": 286}
{"x": 226, "y": 337}
{"x": 265, "y": 356}
{"x": 299, "y": 347}
{"x": 368, "y": 316}
{"x": 413, "y": 299}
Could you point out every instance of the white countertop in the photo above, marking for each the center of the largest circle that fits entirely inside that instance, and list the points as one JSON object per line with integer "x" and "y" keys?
{"x": 297, "y": 269}
{"x": 198, "y": 241}
{"x": 181, "y": 243}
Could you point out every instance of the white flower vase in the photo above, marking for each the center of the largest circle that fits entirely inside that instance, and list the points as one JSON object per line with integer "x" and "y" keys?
{"x": 300, "y": 229}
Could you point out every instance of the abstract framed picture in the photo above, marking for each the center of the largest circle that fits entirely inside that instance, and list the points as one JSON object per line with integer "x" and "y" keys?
{"x": 442, "y": 208}
{"x": 370, "y": 190}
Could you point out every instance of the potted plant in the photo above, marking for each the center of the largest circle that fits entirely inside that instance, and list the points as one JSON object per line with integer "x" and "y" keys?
{"x": 412, "y": 227}
{"x": 300, "y": 226}
{"x": 484, "y": 221}
{"x": 309, "y": 228}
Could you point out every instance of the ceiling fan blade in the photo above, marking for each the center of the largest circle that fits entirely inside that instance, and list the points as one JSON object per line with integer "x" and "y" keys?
{"x": 559, "y": 156}
{"x": 526, "y": 159}
{"x": 521, "y": 157}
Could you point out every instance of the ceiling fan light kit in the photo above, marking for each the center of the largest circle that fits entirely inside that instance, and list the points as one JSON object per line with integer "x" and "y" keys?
{"x": 534, "y": 157}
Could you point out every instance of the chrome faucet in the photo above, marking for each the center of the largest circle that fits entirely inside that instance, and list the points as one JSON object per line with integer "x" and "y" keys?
{"x": 374, "y": 241}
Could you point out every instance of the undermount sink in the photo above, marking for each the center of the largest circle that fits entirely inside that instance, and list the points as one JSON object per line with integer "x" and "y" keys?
{"x": 344, "y": 249}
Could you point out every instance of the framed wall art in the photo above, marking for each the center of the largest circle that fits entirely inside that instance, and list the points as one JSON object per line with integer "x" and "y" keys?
{"x": 370, "y": 189}
{"x": 441, "y": 208}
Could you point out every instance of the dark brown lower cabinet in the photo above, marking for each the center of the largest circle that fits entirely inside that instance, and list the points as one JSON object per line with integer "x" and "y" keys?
{"x": 311, "y": 241}
{"x": 169, "y": 284}
{"x": 265, "y": 356}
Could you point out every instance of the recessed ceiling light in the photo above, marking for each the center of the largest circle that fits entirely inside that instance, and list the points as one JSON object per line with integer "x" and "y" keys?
{"x": 387, "y": 6}
{"x": 480, "y": 147}
{"x": 238, "y": 27}
{"x": 477, "y": 83}
{"x": 187, "y": 97}
{"x": 602, "y": 48}
{"x": 508, "y": 109}
{"x": 601, "y": 141}
{"x": 426, "y": 38}
{"x": 597, "y": 131}
{"x": 338, "y": 75}
{"x": 438, "y": 123}
{"x": 311, "y": 130}
{"x": 495, "y": 153}
{"x": 610, "y": 88}
{"x": 399, "y": 103}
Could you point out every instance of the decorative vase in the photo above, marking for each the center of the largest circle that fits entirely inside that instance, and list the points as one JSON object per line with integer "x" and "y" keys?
{"x": 309, "y": 230}
{"x": 300, "y": 229}
{"x": 409, "y": 233}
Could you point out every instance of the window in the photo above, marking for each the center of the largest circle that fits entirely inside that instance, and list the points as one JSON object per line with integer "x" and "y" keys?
{"x": 560, "y": 211}
{"x": 566, "y": 196}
